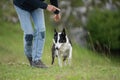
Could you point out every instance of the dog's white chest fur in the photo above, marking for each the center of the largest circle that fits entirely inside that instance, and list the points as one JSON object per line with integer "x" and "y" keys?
{"x": 64, "y": 49}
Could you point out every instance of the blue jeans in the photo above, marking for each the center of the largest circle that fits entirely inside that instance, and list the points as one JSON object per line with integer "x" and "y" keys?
{"x": 32, "y": 47}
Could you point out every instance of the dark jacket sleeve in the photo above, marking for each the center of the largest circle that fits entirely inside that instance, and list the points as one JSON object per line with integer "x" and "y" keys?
{"x": 54, "y": 2}
{"x": 38, "y": 3}
{"x": 41, "y": 4}
{"x": 31, "y": 5}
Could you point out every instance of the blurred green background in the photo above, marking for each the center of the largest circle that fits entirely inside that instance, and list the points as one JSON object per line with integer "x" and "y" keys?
{"x": 92, "y": 25}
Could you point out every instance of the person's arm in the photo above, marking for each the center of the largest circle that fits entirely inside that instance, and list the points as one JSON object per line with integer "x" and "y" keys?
{"x": 57, "y": 15}
{"x": 55, "y": 3}
{"x": 38, "y": 4}
{"x": 43, "y": 5}
{"x": 52, "y": 8}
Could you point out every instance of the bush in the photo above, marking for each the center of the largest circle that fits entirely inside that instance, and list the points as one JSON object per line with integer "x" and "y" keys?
{"x": 104, "y": 28}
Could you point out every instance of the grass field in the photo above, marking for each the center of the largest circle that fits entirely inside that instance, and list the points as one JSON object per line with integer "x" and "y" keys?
{"x": 86, "y": 65}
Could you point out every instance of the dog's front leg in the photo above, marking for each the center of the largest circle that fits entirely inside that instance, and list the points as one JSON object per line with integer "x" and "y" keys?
{"x": 70, "y": 56}
{"x": 59, "y": 60}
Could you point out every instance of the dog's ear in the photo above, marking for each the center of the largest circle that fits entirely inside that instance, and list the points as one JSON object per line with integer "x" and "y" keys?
{"x": 55, "y": 32}
{"x": 63, "y": 32}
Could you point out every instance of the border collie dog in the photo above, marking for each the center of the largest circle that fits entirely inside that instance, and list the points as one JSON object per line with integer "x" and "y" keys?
{"x": 62, "y": 48}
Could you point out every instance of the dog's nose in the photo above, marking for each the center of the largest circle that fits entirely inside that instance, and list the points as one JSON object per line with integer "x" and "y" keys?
{"x": 57, "y": 48}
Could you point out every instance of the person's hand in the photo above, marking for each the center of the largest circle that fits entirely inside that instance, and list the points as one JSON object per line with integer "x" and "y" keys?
{"x": 57, "y": 17}
{"x": 52, "y": 8}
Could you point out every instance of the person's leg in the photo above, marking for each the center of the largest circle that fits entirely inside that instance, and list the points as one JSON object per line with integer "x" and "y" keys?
{"x": 39, "y": 35}
{"x": 26, "y": 26}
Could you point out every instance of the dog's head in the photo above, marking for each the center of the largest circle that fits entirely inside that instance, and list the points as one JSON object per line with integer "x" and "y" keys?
{"x": 59, "y": 38}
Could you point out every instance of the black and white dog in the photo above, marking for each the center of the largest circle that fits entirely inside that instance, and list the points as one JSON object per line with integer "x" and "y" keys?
{"x": 62, "y": 48}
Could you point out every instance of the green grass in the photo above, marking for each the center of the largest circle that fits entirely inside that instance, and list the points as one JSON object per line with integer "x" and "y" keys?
{"x": 86, "y": 65}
